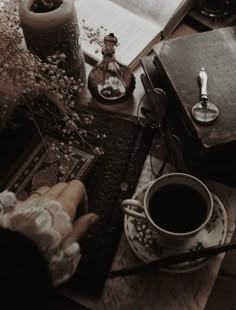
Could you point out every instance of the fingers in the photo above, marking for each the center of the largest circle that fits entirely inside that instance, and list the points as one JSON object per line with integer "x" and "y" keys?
{"x": 54, "y": 192}
{"x": 83, "y": 224}
{"x": 49, "y": 192}
{"x": 39, "y": 192}
{"x": 71, "y": 196}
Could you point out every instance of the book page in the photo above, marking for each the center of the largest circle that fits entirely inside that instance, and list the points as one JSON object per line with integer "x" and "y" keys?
{"x": 159, "y": 11}
{"x": 134, "y": 33}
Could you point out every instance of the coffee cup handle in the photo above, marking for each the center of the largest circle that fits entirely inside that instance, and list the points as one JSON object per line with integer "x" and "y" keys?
{"x": 132, "y": 202}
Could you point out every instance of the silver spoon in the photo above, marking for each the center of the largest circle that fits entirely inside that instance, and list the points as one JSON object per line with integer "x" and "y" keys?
{"x": 204, "y": 112}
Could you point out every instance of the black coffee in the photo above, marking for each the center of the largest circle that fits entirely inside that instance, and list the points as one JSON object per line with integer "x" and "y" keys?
{"x": 177, "y": 208}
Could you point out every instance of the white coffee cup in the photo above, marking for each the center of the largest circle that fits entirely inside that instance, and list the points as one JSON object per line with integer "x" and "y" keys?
{"x": 177, "y": 205}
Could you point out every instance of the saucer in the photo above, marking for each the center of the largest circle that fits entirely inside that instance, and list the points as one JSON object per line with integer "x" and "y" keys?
{"x": 148, "y": 246}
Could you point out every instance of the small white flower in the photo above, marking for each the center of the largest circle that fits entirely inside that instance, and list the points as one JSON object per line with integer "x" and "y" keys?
{"x": 8, "y": 199}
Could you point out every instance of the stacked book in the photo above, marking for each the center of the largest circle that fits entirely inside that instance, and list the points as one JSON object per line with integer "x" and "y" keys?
{"x": 209, "y": 149}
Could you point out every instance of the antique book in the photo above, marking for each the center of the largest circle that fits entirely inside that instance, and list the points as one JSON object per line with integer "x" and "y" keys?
{"x": 137, "y": 24}
{"x": 178, "y": 63}
{"x": 39, "y": 165}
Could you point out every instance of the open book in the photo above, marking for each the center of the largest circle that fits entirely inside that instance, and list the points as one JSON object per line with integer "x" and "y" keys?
{"x": 137, "y": 24}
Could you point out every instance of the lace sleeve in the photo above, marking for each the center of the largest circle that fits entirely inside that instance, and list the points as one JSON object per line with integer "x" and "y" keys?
{"x": 48, "y": 225}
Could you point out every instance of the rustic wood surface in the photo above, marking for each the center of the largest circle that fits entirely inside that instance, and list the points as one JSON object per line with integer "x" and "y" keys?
{"x": 223, "y": 295}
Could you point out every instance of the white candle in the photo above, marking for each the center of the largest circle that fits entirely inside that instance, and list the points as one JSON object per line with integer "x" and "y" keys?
{"x": 50, "y": 32}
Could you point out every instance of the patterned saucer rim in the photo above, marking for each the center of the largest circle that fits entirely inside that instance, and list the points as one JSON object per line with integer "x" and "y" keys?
{"x": 180, "y": 268}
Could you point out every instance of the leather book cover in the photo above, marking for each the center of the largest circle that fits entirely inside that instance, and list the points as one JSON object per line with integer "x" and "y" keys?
{"x": 179, "y": 62}
{"x": 209, "y": 150}
{"x": 150, "y": 79}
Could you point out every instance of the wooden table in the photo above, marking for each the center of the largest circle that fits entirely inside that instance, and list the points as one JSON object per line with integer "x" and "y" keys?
{"x": 159, "y": 290}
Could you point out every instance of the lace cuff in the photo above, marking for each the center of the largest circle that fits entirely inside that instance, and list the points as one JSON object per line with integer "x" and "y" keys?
{"x": 49, "y": 226}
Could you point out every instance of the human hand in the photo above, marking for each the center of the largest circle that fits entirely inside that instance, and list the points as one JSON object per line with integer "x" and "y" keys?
{"x": 71, "y": 195}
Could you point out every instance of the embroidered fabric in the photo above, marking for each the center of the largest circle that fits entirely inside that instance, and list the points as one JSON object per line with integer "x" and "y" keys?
{"x": 48, "y": 225}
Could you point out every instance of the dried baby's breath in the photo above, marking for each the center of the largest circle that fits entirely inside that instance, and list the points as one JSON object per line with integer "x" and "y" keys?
{"x": 24, "y": 77}
{"x": 94, "y": 36}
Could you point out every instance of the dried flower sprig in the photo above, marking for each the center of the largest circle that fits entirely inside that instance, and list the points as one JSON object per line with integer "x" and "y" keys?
{"x": 24, "y": 76}
{"x": 94, "y": 36}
